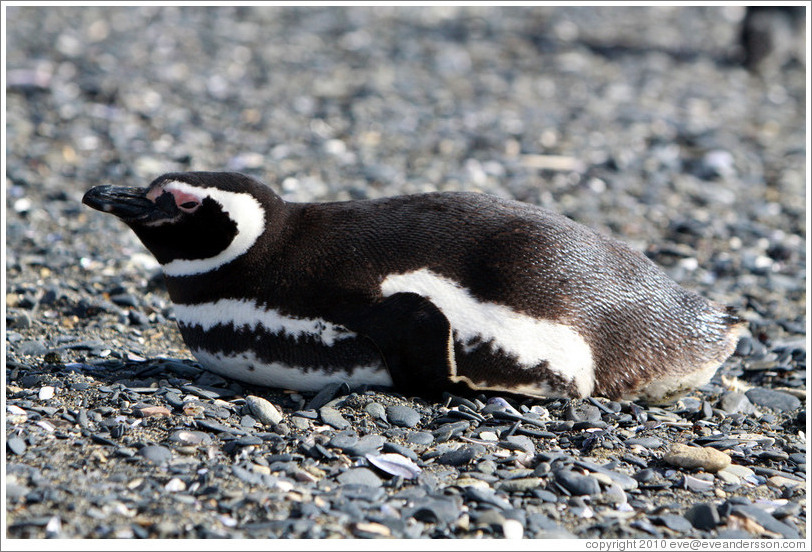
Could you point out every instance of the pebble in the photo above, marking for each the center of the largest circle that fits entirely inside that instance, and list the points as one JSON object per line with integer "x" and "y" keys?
{"x": 376, "y": 410}
{"x": 16, "y": 445}
{"x": 360, "y": 476}
{"x": 263, "y": 410}
{"x": 402, "y": 416}
{"x": 777, "y": 400}
{"x": 156, "y": 454}
{"x": 647, "y": 442}
{"x": 420, "y": 438}
{"x": 333, "y": 417}
{"x": 735, "y": 401}
{"x": 458, "y": 457}
{"x": 521, "y": 484}
{"x": 703, "y": 516}
{"x": 706, "y": 458}
{"x": 577, "y": 484}
{"x": 766, "y": 520}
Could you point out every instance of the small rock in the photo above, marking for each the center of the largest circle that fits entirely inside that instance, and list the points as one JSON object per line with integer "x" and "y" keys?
{"x": 647, "y": 442}
{"x": 333, "y": 417}
{"x": 777, "y": 400}
{"x": 736, "y": 402}
{"x": 703, "y": 516}
{"x": 520, "y": 484}
{"x": 359, "y": 476}
{"x": 420, "y": 438}
{"x": 46, "y": 393}
{"x": 766, "y": 521}
{"x": 674, "y": 522}
{"x": 152, "y": 411}
{"x": 402, "y": 416}
{"x": 577, "y": 484}
{"x": 376, "y": 410}
{"x": 457, "y": 457}
{"x": 16, "y": 445}
{"x": 707, "y": 458}
{"x": 156, "y": 454}
{"x": 263, "y": 410}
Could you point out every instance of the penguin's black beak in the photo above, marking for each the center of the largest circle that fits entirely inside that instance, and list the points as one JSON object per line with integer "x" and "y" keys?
{"x": 128, "y": 204}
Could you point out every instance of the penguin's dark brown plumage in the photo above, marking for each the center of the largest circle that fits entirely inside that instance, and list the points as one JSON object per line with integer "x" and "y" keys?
{"x": 420, "y": 292}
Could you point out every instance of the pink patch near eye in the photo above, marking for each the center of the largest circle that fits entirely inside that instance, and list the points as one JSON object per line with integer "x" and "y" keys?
{"x": 185, "y": 200}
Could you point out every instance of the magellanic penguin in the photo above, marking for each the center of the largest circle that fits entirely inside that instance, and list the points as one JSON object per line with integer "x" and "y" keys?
{"x": 420, "y": 291}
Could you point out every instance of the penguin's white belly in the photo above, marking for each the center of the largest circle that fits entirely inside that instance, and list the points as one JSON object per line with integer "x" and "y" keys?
{"x": 249, "y": 368}
{"x": 239, "y": 339}
{"x": 530, "y": 341}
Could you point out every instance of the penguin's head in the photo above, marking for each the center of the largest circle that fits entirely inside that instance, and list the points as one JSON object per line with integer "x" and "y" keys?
{"x": 192, "y": 222}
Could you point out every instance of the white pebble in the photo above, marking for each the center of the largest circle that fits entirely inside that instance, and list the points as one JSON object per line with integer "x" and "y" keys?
{"x": 175, "y": 485}
{"x": 512, "y": 529}
{"x": 46, "y": 393}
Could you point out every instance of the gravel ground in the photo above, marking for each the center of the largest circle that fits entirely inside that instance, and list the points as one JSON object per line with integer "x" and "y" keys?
{"x": 636, "y": 121}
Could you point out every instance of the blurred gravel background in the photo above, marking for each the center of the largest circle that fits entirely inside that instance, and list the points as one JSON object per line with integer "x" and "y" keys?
{"x": 641, "y": 122}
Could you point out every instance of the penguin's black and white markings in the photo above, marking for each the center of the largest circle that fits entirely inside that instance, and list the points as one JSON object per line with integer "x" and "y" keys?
{"x": 421, "y": 292}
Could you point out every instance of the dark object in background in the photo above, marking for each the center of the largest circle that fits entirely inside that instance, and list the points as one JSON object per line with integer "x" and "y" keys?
{"x": 772, "y": 36}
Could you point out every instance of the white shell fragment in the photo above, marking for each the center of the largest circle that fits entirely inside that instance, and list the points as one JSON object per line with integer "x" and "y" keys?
{"x": 395, "y": 464}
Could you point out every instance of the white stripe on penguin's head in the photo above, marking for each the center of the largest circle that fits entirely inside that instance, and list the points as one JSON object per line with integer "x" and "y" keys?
{"x": 242, "y": 208}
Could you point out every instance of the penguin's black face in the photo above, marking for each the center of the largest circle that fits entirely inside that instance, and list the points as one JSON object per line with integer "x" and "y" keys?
{"x": 191, "y": 222}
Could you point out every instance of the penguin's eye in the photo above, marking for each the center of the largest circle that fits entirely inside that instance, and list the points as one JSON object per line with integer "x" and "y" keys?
{"x": 188, "y": 205}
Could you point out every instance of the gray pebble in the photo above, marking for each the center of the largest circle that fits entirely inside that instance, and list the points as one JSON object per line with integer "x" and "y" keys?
{"x": 577, "y": 484}
{"x": 703, "y": 516}
{"x": 420, "y": 438}
{"x": 402, "y": 416}
{"x": 156, "y": 454}
{"x": 735, "y": 401}
{"x": 333, "y": 417}
{"x": 674, "y": 522}
{"x": 376, "y": 410}
{"x": 766, "y": 520}
{"x": 648, "y": 442}
{"x": 16, "y": 445}
{"x": 263, "y": 410}
{"x": 359, "y": 476}
{"x": 458, "y": 457}
{"x": 777, "y": 400}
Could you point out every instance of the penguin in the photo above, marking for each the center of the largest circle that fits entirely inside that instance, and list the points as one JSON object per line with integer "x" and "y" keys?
{"x": 423, "y": 293}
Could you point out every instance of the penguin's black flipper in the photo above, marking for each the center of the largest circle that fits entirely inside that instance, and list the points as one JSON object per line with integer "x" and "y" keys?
{"x": 415, "y": 340}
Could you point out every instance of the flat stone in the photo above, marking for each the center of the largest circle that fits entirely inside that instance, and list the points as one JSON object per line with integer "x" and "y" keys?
{"x": 360, "y": 476}
{"x": 457, "y": 457}
{"x": 16, "y": 445}
{"x": 703, "y": 516}
{"x": 766, "y": 520}
{"x": 520, "y": 484}
{"x": 777, "y": 400}
{"x": 735, "y": 401}
{"x": 367, "y": 444}
{"x": 706, "y": 458}
{"x": 626, "y": 482}
{"x": 402, "y": 416}
{"x": 333, "y": 417}
{"x": 647, "y": 442}
{"x": 577, "y": 484}
{"x": 520, "y": 442}
{"x": 263, "y": 410}
{"x": 420, "y": 438}
{"x": 188, "y": 437}
{"x": 674, "y": 522}
{"x": 156, "y": 454}
{"x": 152, "y": 411}
{"x": 376, "y": 410}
